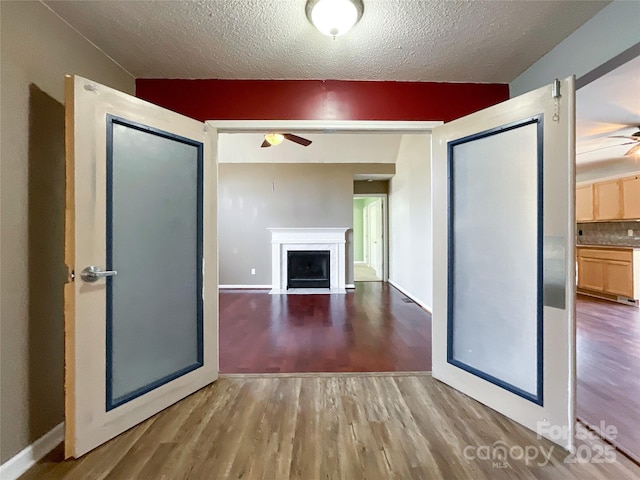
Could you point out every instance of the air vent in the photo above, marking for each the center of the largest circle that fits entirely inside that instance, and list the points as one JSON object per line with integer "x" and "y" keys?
{"x": 627, "y": 301}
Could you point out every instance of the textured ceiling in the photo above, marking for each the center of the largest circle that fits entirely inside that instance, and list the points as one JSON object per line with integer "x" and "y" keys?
{"x": 418, "y": 40}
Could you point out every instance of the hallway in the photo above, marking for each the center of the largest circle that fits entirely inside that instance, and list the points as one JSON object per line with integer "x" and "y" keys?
{"x": 364, "y": 273}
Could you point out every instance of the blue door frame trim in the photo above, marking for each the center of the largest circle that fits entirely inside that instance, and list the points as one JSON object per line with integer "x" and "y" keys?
{"x": 111, "y": 402}
{"x": 536, "y": 397}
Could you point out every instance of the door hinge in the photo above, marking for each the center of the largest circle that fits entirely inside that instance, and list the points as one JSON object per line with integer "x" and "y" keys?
{"x": 556, "y": 95}
{"x": 555, "y": 89}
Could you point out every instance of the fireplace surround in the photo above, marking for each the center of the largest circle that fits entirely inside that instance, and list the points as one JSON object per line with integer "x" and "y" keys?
{"x": 331, "y": 240}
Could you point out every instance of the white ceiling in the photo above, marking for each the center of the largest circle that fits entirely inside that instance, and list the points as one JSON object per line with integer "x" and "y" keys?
{"x": 608, "y": 106}
{"x": 326, "y": 148}
{"x": 419, "y": 40}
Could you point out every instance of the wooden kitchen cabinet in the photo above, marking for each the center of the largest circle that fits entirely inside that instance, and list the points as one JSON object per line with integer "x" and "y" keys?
{"x": 609, "y": 271}
{"x": 618, "y": 278}
{"x": 584, "y": 203}
{"x": 591, "y": 274}
{"x": 631, "y": 197}
{"x": 607, "y": 200}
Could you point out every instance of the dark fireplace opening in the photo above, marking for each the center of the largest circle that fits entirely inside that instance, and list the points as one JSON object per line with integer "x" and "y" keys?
{"x": 308, "y": 269}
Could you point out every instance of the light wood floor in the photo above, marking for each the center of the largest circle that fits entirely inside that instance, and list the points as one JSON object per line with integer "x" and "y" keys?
{"x": 364, "y": 273}
{"x": 322, "y": 427}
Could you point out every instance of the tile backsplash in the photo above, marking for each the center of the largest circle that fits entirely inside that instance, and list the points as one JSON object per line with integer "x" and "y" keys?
{"x": 609, "y": 233}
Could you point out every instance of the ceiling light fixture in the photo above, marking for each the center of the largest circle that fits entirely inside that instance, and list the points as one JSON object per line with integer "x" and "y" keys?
{"x": 334, "y": 17}
{"x": 274, "y": 138}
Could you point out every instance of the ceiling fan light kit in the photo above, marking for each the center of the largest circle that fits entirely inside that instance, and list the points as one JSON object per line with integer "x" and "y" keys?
{"x": 274, "y": 138}
{"x": 334, "y": 17}
{"x": 277, "y": 138}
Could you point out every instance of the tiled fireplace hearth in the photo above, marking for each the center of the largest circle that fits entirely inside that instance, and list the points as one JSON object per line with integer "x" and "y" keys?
{"x": 284, "y": 240}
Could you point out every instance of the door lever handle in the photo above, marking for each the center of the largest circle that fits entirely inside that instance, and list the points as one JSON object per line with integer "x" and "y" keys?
{"x": 93, "y": 273}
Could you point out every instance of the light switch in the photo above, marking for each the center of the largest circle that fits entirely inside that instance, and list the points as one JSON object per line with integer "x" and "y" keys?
{"x": 630, "y": 233}
{"x": 253, "y": 271}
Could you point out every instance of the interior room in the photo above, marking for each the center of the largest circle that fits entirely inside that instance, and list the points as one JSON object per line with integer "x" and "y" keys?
{"x": 241, "y": 240}
{"x": 315, "y": 187}
{"x": 608, "y": 253}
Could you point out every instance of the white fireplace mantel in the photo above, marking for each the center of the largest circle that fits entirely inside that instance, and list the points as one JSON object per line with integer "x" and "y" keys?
{"x": 286, "y": 239}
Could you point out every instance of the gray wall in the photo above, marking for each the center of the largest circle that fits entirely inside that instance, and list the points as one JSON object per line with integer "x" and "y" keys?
{"x": 610, "y": 32}
{"x": 364, "y": 187}
{"x": 253, "y": 197}
{"x": 37, "y": 50}
{"x": 410, "y": 245}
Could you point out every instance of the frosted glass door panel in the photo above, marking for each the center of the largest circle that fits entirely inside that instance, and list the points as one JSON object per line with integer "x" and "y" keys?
{"x": 154, "y": 242}
{"x": 494, "y": 264}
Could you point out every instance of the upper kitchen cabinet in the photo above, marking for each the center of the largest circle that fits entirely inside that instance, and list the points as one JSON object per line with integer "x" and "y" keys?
{"x": 607, "y": 200}
{"x": 584, "y": 203}
{"x": 631, "y": 197}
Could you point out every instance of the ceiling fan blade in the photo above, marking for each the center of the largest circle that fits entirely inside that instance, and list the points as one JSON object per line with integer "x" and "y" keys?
{"x": 296, "y": 139}
{"x": 635, "y": 150}
{"x": 265, "y": 144}
{"x": 628, "y": 137}
{"x": 606, "y": 147}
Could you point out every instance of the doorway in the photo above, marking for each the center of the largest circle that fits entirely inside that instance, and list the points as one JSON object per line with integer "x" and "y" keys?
{"x": 307, "y": 333}
{"x": 310, "y": 314}
{"x": 369, "y": 249}
{"x": 607, "y": 315}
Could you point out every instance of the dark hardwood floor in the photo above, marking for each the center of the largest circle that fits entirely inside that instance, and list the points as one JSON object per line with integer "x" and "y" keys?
{"x": 371, "y": 329}
{"x": 608, "y": 369}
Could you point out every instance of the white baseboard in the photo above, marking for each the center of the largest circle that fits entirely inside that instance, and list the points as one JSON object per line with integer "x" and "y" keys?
{"x": 350, "y": 286}
{"x": 240, "y": 287}
{"x": 27, "y": 458}
{"x": 411, "y": 296}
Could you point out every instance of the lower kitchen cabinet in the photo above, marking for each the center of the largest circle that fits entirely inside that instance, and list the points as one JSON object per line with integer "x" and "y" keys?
{"x": 591, "y": 274}
{"x": 612, "y": 272}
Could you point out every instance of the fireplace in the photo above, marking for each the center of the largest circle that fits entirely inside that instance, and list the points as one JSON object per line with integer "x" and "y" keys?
{"x": 308, "y": 269}
{"x": 329, "y": 241}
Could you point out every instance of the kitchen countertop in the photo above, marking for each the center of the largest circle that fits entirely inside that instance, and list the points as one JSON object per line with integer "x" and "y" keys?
{"x": 610, "y": 247}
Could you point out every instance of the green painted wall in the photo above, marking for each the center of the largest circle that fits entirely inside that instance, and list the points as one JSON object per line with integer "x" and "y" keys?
{"x": 359, "y": 205}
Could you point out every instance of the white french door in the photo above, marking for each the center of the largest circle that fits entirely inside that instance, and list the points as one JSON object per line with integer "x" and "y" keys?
{"x": 141, "y": 311}
{"x": 503, "y": 229}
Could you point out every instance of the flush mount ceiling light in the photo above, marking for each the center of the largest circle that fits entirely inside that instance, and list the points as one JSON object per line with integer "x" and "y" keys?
{"x": 334, "y": 17}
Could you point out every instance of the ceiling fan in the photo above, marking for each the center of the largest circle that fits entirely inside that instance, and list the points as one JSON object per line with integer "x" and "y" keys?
{"x": 277, "y": 138}
{"x": 635, "y": 141}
